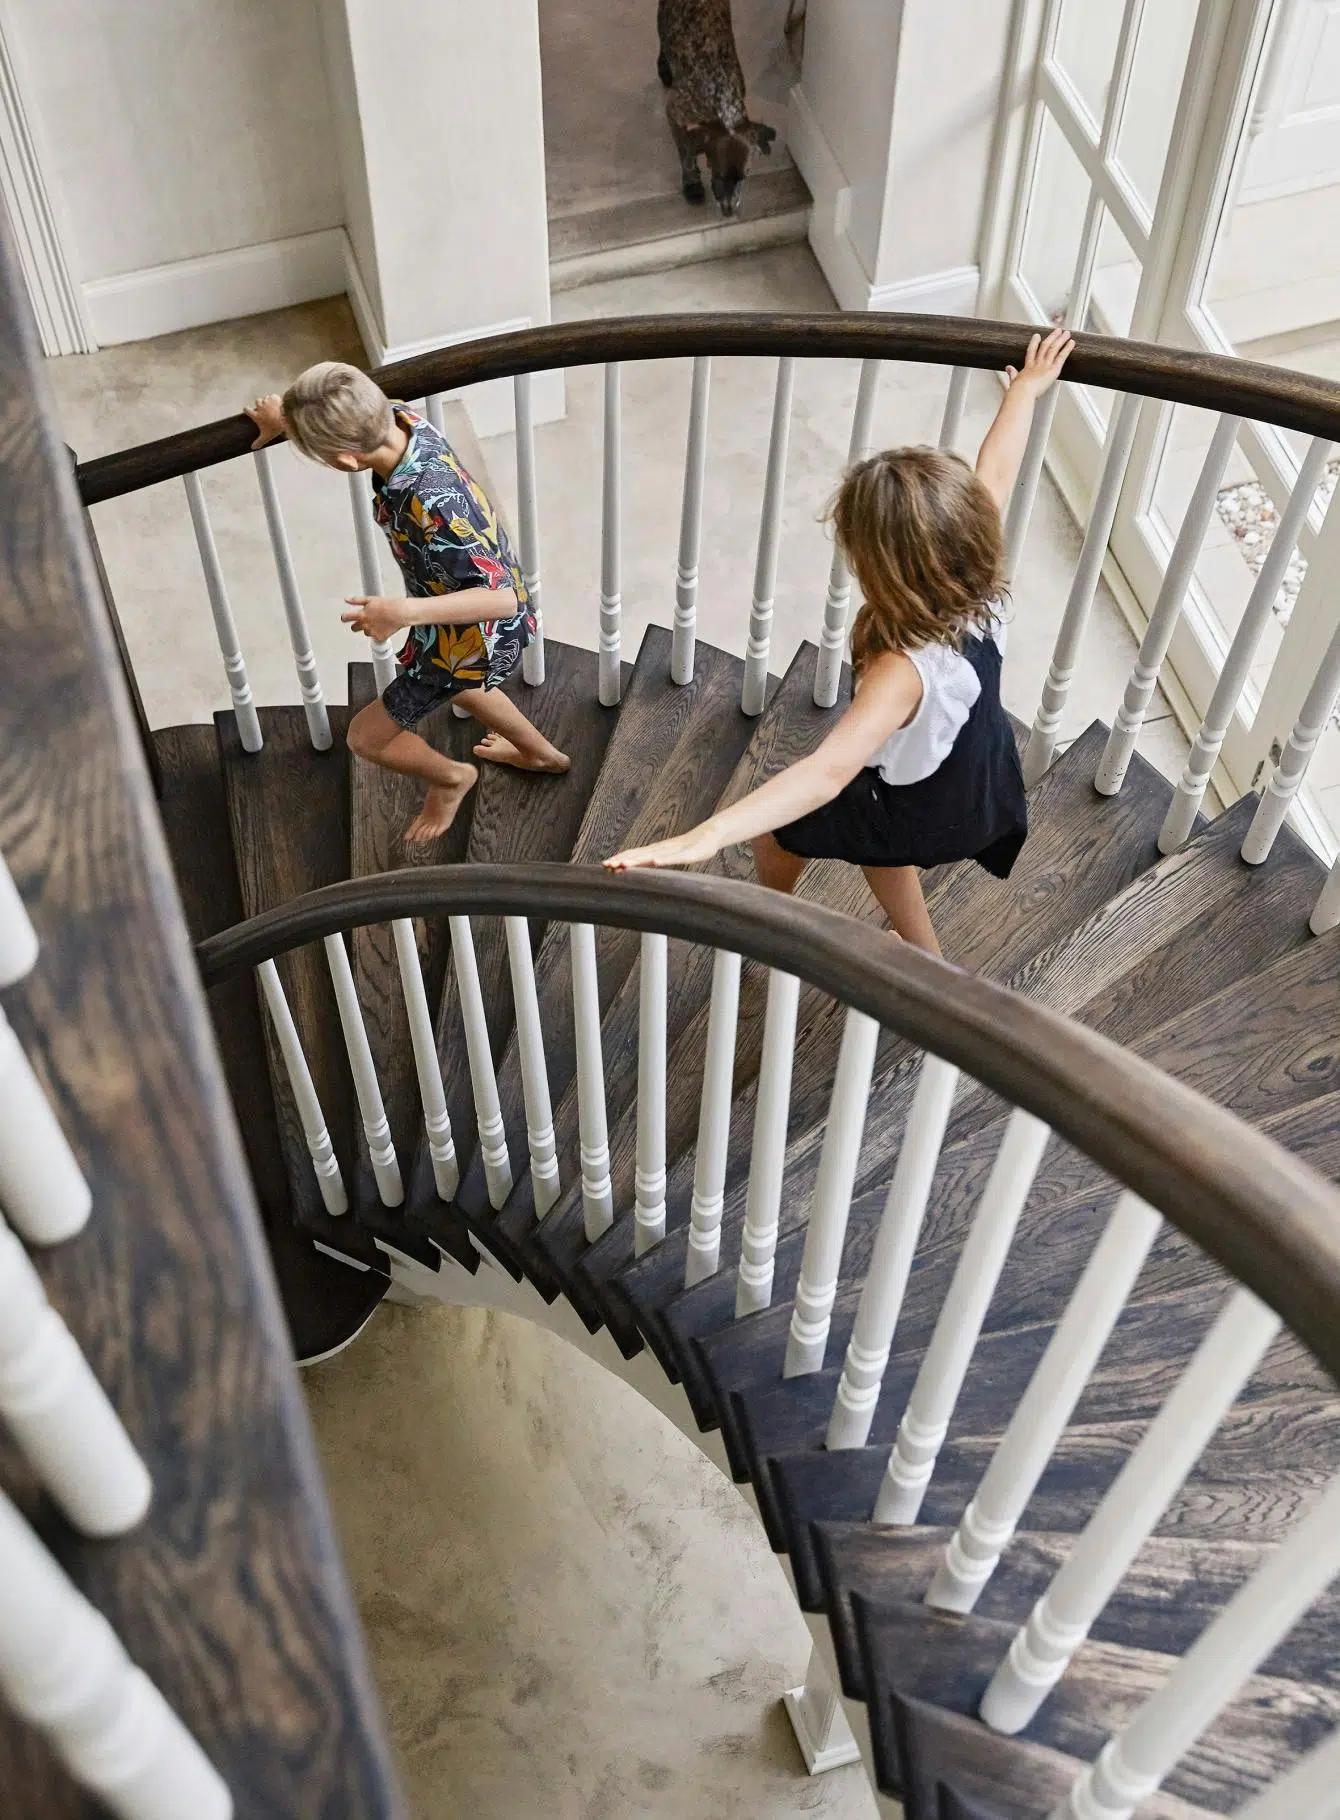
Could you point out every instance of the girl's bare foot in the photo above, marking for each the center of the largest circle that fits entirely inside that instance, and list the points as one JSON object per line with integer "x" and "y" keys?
{"x": 503, "y": 752}
{"x": 440, "y": 805}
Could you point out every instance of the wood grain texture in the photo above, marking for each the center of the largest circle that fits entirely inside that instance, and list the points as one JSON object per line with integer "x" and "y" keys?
{"x": 1270, "y": 394}
{"x": 230, "y": 1594}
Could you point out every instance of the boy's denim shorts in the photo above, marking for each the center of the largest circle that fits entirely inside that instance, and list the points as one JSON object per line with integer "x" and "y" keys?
{"x": 411, "y": 696}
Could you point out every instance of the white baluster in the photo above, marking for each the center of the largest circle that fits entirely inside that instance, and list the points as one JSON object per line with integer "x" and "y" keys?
{"x": 299, "y": 636}
{"x": 1289, "y": 773}
{"x": 436, "y": 1119}
{"x": 1310, "y": 1791}
{"x": 610, "y": 684}
{"x": 63, "y": 1670}
{"x": 367, "y": 1088}
{"x": 369, "y": 571}
{"x": 955, "y": 399}
{"x": 891, "y": 1258}
{"x": 528, "y": 522}
{"x": 767, "y": 1156}
{"x": 310, "y": 1115}
{"x": 18, "y": 938}
{"x": 534, "y": 1072}
{"x": 1132, "y": 1505}
{"x": 592, "y": 1120}
{"x": 1046, "y": 1407}
{"x": 926, "y": 1419}
{"x": 57, "y": 1410}
{"x": 432, "y": 410}
{"x": 42, "y": 1187}
{"x": 830, "y": 1206}
{"x": 1190, "y": 792}
{"x": 1163, "y": 620}
{"x": 1213, "y": 1671}
{"x": 1024, "y": 496}
{"x": 837, "y": 603}
{"x": 479, "y": 1054}
{"x": 1041, "y": 748}
{"x": 691, "y": 527}
{"x": 710, "y": 1158}
{"x": 1327, "y": 912}
{"x": 649, "y": 1179}
{"x": 754, "y": 690}
{"x": 225, "y": 626}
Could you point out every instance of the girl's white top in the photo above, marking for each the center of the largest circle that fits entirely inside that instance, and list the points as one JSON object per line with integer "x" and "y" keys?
{"x": 949, "y": 687}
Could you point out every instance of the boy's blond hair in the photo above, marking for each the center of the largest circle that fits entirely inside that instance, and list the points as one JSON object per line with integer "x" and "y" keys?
{"x": 333, "y": 409}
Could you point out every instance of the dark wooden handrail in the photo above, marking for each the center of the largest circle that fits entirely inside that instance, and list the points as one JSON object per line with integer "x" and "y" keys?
{"x": 1217, "y": 382}
{"x": 1269, "y": 1219}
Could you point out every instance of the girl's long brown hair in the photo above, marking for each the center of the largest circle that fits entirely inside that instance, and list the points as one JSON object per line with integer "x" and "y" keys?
{"x": 922, "y": 536}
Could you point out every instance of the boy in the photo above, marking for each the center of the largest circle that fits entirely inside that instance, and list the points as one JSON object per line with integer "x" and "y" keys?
{"x": 448, "y": 542}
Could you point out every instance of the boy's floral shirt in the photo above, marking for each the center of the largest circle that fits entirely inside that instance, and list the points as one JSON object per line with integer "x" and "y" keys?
{"x": 445, "y": 536}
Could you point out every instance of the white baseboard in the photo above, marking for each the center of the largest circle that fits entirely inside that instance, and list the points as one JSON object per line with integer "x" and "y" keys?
{"x": 133, "y": 306}
{"x": 489, "y": 405}
{"x": 948, "y": 293}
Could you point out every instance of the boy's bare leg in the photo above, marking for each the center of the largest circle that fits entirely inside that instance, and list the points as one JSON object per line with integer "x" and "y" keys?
{"x": 898, "y": 889}
{"x": 511, "y": 739}
{"x": 774, "y": 866}
{"x": 373, "y": 735}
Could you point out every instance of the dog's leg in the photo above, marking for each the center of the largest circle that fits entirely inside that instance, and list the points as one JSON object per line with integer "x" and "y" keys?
{"x": 686, "y": 145}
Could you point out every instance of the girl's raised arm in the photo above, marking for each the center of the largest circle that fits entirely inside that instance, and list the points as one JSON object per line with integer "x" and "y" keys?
{"x": 888, "y": 697}
{"x": 1003, "y": 447}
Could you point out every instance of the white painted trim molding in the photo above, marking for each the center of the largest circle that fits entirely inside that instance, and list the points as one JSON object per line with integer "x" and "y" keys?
{"x": 490, "y": 406}
{"x": 52, "y": 290}
{"x": 949, "y": 293}
{"x": 186, "y": 294}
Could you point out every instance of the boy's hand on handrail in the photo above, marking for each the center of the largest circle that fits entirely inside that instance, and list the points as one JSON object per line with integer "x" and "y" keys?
{"x": 376, "y": 615}
{"x": 268, "y": 416}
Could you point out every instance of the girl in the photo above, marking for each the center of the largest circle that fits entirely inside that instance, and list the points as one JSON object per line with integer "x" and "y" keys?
{"x": 922, "y": 768}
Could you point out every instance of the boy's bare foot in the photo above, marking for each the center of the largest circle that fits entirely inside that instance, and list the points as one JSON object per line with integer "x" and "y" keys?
{"x": 440, "y": 805}
{"x": 503, "y": 752}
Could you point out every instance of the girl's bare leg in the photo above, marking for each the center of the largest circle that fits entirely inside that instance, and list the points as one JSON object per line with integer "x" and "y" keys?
{"x": 774, "y": 866}
{"x": 511, "y": 739}
{"x": 373, "y": 735}
{"x": 898, "y": 889}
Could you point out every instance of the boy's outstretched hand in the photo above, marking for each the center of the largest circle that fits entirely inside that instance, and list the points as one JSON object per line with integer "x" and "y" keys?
{"x": 1043, "y": 362}
{"x": 689, "y": 849}
{"x": 268, "y": 416}
{"x": 376, "y": 615}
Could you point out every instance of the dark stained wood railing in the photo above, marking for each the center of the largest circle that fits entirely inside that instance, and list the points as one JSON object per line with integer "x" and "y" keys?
{"x": 230, "y": 1595}
{"x": 1269, "y": 1219}
{"x": 1293, "y": 401}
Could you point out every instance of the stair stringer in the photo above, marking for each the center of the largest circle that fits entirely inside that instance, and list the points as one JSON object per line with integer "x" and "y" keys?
{"x": 494, "y": 1288}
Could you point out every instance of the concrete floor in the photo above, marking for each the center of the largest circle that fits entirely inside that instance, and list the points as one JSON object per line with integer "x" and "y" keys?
{"x": 569, "y": 1611}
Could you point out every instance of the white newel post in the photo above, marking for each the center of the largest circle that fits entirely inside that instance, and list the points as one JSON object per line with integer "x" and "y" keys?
{"x": 1024, "y": 496}
{"x": 767, "y": 1157}
{"x": 1294, "y": 760}
{"x": 754, "y": 690}
{"x": 592, "y": 1117}
{"x": 610, "y": 683}
{"x": 956, "y": 396}
{"x": 837, "y": 603}
{"x": 319, "y": 1147}
{"x": 891, "y": 1258}
{"x": 649, "y": 1178}
{"x": 1132, "y": 1505}
{"x": 710, "y": 1158}
{"x": 225, "y": 626}
{"x": 479, "y": 1055}
{"x": 534, "y": 1071}
{"x": 436, "y": 1119}
{"x": 926, "y": 1419}
{"x": 1310, "y": 1790}
{"x": 1213, "y": 1671}
{"x": 42, "y": 1187}
{"x": 18, "y": 938}
{"x": 685, "y": 634}
{"x": 58, "y": 1412}
{"x": 299, "y": 635}
{"x": 1190, "y": 792}
{"x": 1163, "y": 620}
{"x": 63, "y": 1669}
{"x": 528, "y": 522}
{"x": 367, "y": 1088}
{"x": 1046, "y": 1407}
{"x": 369, "y": 570}
{"x": 1041, "y": 747}
{"x": 830, "y": 1208}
